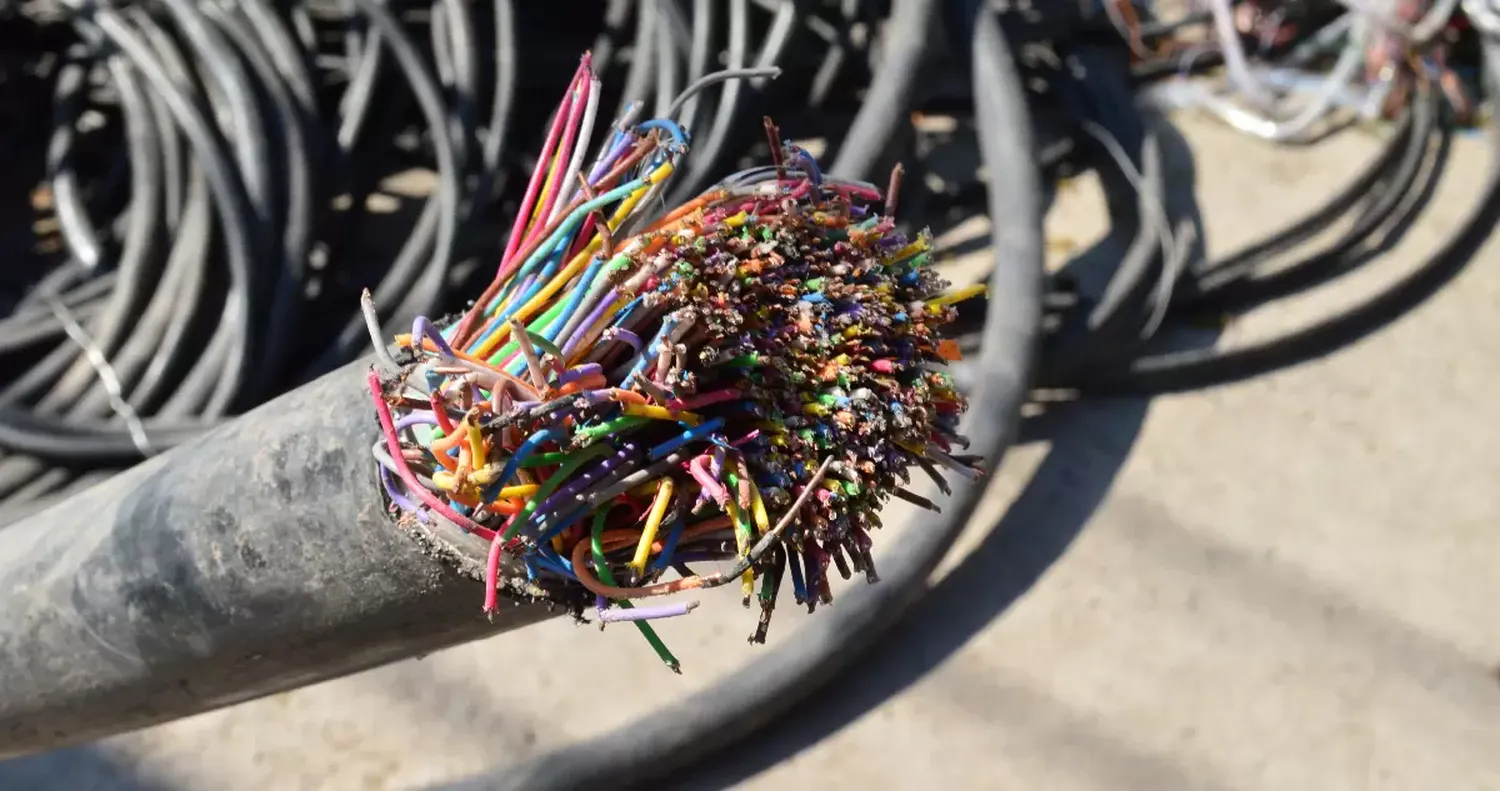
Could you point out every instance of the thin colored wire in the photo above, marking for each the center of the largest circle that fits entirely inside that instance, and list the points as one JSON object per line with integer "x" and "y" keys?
{"x": 601, "y": 568}
{"x": 653, "y": 524}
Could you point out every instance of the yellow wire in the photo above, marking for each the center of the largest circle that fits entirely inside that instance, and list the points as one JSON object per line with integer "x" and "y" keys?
{"x": 909, "y": 250}
{"x": 653, "y": 525}
{"x": 742, "y": 545}
{"x": 758, "y": 509}
{"x": 959, "y": 295}
{"x": 662, "y": 413}
{"x": 476, "y": 445}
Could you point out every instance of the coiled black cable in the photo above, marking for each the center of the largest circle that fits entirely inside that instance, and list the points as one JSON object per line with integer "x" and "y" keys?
{"x": 1197, "y": 368}
{"x": 204, "y": 265}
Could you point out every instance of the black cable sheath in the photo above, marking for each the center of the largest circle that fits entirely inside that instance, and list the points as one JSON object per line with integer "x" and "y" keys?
{"x": 256, "y": 558}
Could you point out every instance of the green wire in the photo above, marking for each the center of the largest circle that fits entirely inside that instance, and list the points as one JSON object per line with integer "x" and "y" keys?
{"x": 549, "y": 459}
{"x": 540, "y": 341}
{"x": 578, "y": 459}
{"x": 601, "y": 570}
{"x": 538, "y": 323}
{"x": 614, "y": 426}
{"x": 741, "y": 515}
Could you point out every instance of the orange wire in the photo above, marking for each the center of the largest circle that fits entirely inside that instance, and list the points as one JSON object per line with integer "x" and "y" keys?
{"x": 586, "y": 576}
{"x": 688, "y": 208}
{"x": 591, "y": 382}
{"x": 615, "y": 539}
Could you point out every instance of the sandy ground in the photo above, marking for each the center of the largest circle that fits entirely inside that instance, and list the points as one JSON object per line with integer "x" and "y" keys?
{"x": 1288, "y": 583}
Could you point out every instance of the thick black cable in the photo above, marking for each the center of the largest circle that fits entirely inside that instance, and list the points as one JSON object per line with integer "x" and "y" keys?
{"x": 1199, "y": 368}
{"x": 907, "y": 48}
{"x": 1225, "y": 288}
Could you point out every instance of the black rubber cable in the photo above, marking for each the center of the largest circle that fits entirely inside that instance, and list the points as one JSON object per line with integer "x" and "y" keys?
{"x": 156, "y": 310}
{"x": 907, "y": 47}
{"x": 1240, "y": 285}
{"x": 1242, "y": 261}
{"x": 420, "y": 286}
{"x": 1200, "y": 368}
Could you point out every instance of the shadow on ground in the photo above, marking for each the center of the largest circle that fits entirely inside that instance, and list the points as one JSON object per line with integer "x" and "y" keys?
{"x": 1089, "y": 443}
{"x": 77, "y": 769}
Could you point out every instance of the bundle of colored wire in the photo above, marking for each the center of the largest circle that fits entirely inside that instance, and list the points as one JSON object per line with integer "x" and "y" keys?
{"x": 746, "y": 379}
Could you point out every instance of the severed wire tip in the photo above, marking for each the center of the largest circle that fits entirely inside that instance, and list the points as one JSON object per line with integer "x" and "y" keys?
{"x": 372, "y": 325}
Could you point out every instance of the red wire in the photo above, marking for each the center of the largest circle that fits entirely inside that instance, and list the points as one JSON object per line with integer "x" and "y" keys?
{"x": 393, "y": 445}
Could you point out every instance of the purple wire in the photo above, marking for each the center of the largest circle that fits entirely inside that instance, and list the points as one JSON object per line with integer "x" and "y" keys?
{"x": 596, "y": 397}
{"x": 420, "y": 327}
{"x": 621, "y": 615}
{"x": 621, "y": 146}
{"x": 593, "y": 318}
{"x": 420, "y": 417}
{"x": 577, "y": 485}
{"x": 402, "y": 501}
{"x": 576, "y": 373}
{"x": 622, "y": 334}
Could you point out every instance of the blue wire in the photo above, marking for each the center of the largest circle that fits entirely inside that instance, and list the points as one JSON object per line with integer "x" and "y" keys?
{"x": 799, "y": 587}
{"x": 584, "y": 285}
{"x": 696, "y": 432}
{"x": 810, "y": 163}
{"x": 546, "y": 554}
{"x": 638, "y": 363}
{"x": 566, "y": 229}
{"x": 672, "y": 127}
{"x": 665, "y": 558}
{"x": 553, "y": 564}
{"x": 492, "y": 492}
{"x": 564, "y": 524}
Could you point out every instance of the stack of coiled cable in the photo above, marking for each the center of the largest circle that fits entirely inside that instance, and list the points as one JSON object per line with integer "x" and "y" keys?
{"x": 1293, "y": 73}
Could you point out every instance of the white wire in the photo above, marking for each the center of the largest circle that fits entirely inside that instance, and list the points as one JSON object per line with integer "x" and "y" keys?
{"x": 106, "y": 373}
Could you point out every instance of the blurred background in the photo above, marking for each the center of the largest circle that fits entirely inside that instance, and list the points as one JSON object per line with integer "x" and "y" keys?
{"x": 1247, "y": 541}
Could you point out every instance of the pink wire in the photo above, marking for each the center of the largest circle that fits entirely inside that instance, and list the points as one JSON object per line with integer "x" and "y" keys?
{"x": 535, "y": 185}
{"x": 564, "y": 153}
{"x": 704, "y": 399}
{"x": 698, "y": 468}
{"x": 746, "y": 438}
{"x": 492, "y": 566}
{"x": 393, "y": 444}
